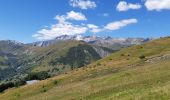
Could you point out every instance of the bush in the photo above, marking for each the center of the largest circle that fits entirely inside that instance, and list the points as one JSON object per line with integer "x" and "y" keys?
{"x": 55, "y": 82}
{"x": 38, "y": 76}
{"x": 142, "y": 57}
{"x": 122, "y": 55}
{"x": 5, "y": 86}
{"x": 11, "y": 84}
{"x": 44, "y": 89}
{"x": 19, "y": 82}
{"x": 98, "y": 64}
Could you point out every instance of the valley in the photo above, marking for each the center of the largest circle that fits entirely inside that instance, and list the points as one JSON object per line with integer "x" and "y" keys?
{"x": 129, "y": 73}
{"x": 22, "y": 62}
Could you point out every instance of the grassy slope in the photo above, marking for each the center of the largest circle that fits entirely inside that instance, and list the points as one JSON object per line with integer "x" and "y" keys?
{"x": 123, "y": 75}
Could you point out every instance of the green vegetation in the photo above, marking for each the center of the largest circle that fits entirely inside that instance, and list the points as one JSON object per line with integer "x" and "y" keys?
{"x": 37, "y": 76}
{"x": 78, "y": 56}
{"x": 116, "y": 79}
{"x": 142, "y": 57}
{"x": 24, "y": 62}
{"x": 10, "y": 84}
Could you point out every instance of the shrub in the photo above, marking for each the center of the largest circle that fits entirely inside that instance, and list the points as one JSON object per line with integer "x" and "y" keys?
{"x": 19, "y": 82}
{"x": 98, "y": 64}
{"x": 55, "y": 82}
{"x": 44, "y": 89}
{"x": 5, "y": 86}
{"x": 142, "y": 57}
{"x": 11, "y": 84}
{"x": 38, "y": 76}
{"x": 122, "y": 55}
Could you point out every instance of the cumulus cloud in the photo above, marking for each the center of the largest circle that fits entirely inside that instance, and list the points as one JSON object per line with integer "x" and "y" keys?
{"x": 94, "y": 29}
{"x": 76, "y": 16}
{"x": 119, "y": 24}
{"x": 124, "y": 6}
{"x": 63, "y": 27}
{"x": 71, "y": 16}
{"x": 59, "y": 29}
{"x": 157, "y": 5}
{"x": 91, "y": 26}
{"x": 83, "y": 4}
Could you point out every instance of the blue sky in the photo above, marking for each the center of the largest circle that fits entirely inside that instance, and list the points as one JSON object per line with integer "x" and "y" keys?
{"x": 33, "y": 20}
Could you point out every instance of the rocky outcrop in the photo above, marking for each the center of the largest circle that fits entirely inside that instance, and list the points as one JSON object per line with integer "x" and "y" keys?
{"x": 102, "y": 51}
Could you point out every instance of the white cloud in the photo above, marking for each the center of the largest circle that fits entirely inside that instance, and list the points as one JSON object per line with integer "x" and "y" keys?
{"x": 75, "y": 16}
{"x": 119, "y": 24}
{"x": 59, "y": 29}
{"x": 63, "y": 27}
{"x": 94, "y": 29}
{"x": 61, "y": 19}
{"x": 91, "y": 26}
{"x": 124, "y": 6}
{"x": 157, "y": 5}
{"x": 83, "y": 4}
{"x": 71, "y": 16}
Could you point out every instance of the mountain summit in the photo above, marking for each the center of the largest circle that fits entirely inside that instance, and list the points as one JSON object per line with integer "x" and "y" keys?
{"x": 101, "y": 41}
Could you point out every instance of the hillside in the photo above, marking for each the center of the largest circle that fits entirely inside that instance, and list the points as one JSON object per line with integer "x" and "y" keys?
{"x": 67, "y": 54}
{"x": 140, "y": 72}
{"x": 10, "y": 53}
{"x": 20, "y": 62}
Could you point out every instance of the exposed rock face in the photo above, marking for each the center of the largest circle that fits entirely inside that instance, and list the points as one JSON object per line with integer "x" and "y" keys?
{"x": 102, "y": 51}
{"x": 115, "y": 43}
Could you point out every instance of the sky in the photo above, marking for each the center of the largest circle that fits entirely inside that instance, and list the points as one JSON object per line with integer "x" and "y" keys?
{"x": 35, "y": 20}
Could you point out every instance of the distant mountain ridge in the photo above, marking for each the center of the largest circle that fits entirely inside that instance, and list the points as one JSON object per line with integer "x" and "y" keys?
{"x": 96, "y": 40}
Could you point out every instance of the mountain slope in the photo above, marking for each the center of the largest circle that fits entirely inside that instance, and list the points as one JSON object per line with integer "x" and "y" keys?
{"x": 69, "y": 53}
{"x": 72, "y": 51}
{"x": 10, "y": 53}
{"x": 18, "y": 61}
{"x": 138, "y": 72}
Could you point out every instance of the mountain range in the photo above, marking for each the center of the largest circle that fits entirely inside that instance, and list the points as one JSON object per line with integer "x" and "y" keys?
{"x": 139, "y": 72}
{"x": 109, "y": 42}
{"x": 39, "y": 60}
